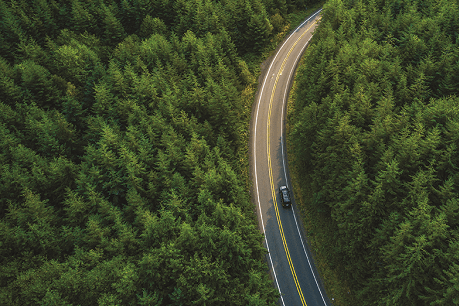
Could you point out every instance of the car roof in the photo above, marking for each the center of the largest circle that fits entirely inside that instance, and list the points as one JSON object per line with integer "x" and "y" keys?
{"x": 285, "y": 194}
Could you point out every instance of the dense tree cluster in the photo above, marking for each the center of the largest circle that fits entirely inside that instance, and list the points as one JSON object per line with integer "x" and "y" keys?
{"x": 377, "y": 136}
{"x": 122, "y": 133}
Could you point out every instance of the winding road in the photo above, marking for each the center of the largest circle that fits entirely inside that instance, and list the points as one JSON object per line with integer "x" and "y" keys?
{"x": 288, "y": 257}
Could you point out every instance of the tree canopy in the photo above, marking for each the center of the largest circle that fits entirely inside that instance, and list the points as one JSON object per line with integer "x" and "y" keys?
{"x": 123, "y": 128}
{"x": 376, "y": 136}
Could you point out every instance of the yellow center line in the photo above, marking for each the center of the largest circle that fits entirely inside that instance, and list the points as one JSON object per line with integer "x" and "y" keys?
{"x": 281, "y": 230}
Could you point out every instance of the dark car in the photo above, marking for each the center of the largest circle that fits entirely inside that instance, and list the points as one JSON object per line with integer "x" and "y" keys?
{"x": 285, "y": 196}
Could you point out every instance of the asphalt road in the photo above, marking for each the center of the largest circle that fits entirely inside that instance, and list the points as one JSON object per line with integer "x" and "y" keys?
{"x": 292, "y": 269}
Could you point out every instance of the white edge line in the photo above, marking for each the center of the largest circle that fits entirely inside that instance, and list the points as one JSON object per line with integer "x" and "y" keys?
{"x": 255, "y": 156}
{"x": 285, "y": 172}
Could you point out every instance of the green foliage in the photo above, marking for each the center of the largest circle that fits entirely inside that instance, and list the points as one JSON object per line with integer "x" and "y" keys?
{"x": 374, "y": 135}
{"x": 122, "y": 124}
{"x": 151, "y": 26}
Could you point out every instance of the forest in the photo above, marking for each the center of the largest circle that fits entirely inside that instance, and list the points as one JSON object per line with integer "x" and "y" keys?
{"x": 376, "y": 138}
{"x": 123, "y": 151}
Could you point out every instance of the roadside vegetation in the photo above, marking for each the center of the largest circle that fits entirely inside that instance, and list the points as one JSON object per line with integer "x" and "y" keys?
{"x": 374, "y": 134}
{"x": 123, "y": 151}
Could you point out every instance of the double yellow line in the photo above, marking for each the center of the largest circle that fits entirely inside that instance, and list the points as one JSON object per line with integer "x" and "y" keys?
{"x": 273, "y": 191}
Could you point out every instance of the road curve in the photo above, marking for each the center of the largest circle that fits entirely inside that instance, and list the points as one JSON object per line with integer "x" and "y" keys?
{"x": 288, "y": 257}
